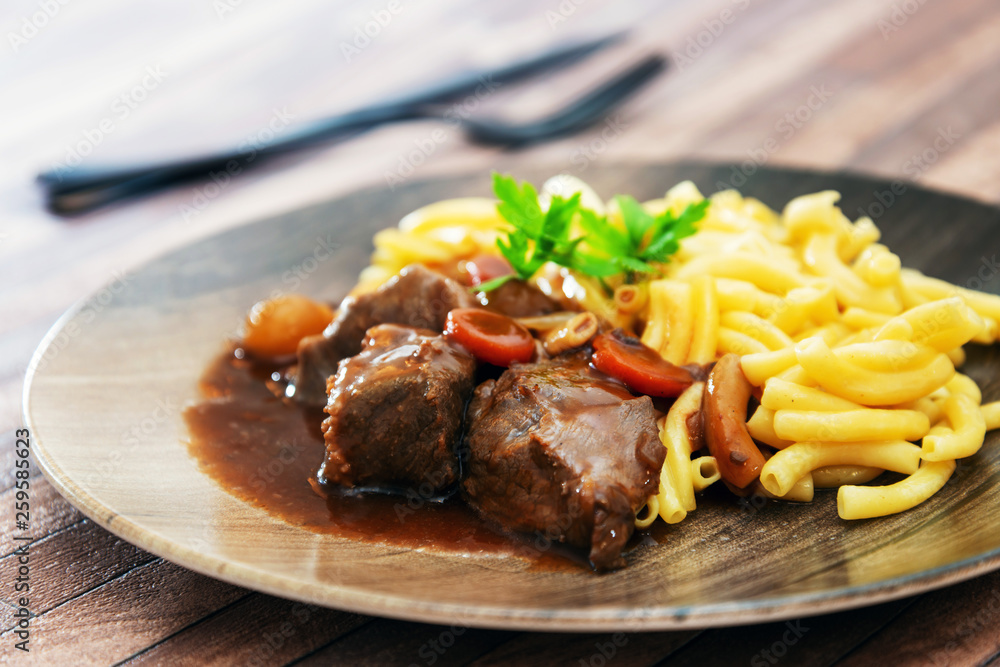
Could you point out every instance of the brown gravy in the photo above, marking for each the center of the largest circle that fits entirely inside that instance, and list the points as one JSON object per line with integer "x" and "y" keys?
{"x": 266, "y": 451}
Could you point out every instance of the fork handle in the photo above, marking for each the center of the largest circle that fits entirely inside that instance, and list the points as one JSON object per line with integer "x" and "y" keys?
{"x": 80, "y": 189}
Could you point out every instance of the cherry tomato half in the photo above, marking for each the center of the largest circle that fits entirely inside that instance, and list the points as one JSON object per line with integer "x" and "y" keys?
{"x": 483, "y": 268}
{"x": 638, "y": 366}
{"x": 490, "y": 337}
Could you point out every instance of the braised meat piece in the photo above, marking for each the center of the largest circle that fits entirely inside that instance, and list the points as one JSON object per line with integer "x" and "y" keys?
{"x": 516, "y": 298}
{"x": 395, "y": 411}
{"x": 559, "y": 448}
{"x": 417, "y": 297}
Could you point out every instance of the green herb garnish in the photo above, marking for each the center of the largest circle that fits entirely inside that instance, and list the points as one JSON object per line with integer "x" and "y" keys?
{"x": 645, "y": 240}
{"x": 605, "y": 250}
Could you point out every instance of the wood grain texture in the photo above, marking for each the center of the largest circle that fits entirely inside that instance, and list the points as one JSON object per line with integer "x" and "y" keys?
{"x": 161, "y": 599}
{"x": 264, "y": 630}
{"x": 894, "y": 88}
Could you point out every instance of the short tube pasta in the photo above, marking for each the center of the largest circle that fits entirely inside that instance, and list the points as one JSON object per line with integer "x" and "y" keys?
{"x": 761, "y": 427}
{"x": 865, "y": 386}
{"x": 705, "y": 304}
{"x": 704, "y": 472}
{"x": 851, "y": 425}
{"x": 789, "y": 465}
{"x": 755, "y": 327}
{"x": 781, "y": 394}
{"x": 675, "y": 437}
{"x": 963, "y": 437}
{"x": 991, "y": 415}
{"x": 866, "y": 502}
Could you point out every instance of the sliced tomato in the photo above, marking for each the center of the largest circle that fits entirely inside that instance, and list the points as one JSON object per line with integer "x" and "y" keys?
{"x": 489, "y": 336}
{"x": 484, "y": 268}
{"x": 638, "y": 366}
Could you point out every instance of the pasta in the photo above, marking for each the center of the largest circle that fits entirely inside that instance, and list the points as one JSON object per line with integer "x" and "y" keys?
{"x": 853, "y": 357}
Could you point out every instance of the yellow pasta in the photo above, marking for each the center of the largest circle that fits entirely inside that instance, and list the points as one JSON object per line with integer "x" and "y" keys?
{"x": 759, "y": 329}
{"x": 630, "y": 299}
{"x": 877, "y": 266}
{"x": 704, "y": 472}
{"x": 991, "y": 415}
{"x": 865, "y": 502}
{"x": 652, "y": 510}
{"x": 963, "y": 384}
{"x": 931, "y": 289}
{"x": 705, "y": 307}
{"x": 797, "y": 375}
{"x": 742, "y": 295}
{"x": 957, "y": 356}
{"x": 963, "y": 437}
{"x": 887, "y": 356}
{"x": 780, "y": 394}
{"x": 759, "y": 366}
{"x": 943, "y": 325}
{"x": 761, "y": 427}
{"x": 730, "y": 340}
{"x": 766, "y": 275}
{"x": 861, "y": 318}
{"x": 868, "y": 387}
{"x": 820, "y": 255}
{"x": 801, "y": 492}
{"x": 789, "y": 465}
{"x": 674, "y": 434}
{"x": 932, "y": 408}
{"x": 672, "y": 300}
{"x": 851, "y": 425}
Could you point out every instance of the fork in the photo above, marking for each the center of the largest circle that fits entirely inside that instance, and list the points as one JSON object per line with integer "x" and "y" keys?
{"x": 81, "y": 189}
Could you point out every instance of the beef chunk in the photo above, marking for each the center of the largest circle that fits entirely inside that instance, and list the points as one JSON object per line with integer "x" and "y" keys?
{"x": 516, "y": 298}
{"x": 417, "y": 297}
{"x": 395, "y": 412}
{"x": 561, "y": 449}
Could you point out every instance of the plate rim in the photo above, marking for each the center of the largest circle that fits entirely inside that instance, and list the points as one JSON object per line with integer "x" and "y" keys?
{"x": 347, "y": 598}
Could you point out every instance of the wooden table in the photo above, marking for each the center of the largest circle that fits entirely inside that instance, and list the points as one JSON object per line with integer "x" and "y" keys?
{"x": 903, "y": 89}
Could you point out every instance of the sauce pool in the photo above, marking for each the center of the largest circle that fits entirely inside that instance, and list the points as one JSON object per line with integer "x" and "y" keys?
{"x": 266, "y": 450}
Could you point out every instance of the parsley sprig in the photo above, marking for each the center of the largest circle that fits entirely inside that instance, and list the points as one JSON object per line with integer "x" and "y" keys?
{"x": 604, "y": 250}
{"x": 646, "y": 240}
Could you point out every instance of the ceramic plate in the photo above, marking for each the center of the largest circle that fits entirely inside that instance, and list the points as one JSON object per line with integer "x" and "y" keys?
{"x": 109, "y": 382}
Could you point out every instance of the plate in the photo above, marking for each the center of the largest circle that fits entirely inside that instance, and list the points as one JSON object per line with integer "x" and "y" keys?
{"x": 108, "y": 384}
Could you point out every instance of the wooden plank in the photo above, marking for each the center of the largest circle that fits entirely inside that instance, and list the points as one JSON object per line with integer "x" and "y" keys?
{"x": 804, "y": 642}
{"x": 49, "y": 513}
{"x": 387, "y": 642}
{"x": 971, "y": 168}
{"x": 799, "y": 132}
{"x": 683, "y": 122}
{"x": 591, "y": 649}
{"x": 8, "y": 457}
{"x": 257, "y": 630}
{"x": 71, "y": 562}
{"x": 958, "y": 625}
{"x": 7, "y": 619}
{"x": 927, "y": 77}
{"x": 125, "y": 615}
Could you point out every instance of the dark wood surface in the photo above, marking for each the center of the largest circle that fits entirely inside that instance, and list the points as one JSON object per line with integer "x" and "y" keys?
{"x": 897, "y": 76}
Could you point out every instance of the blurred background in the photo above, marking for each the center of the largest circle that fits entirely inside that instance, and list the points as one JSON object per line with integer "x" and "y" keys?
{"x": 903, "y": 89}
